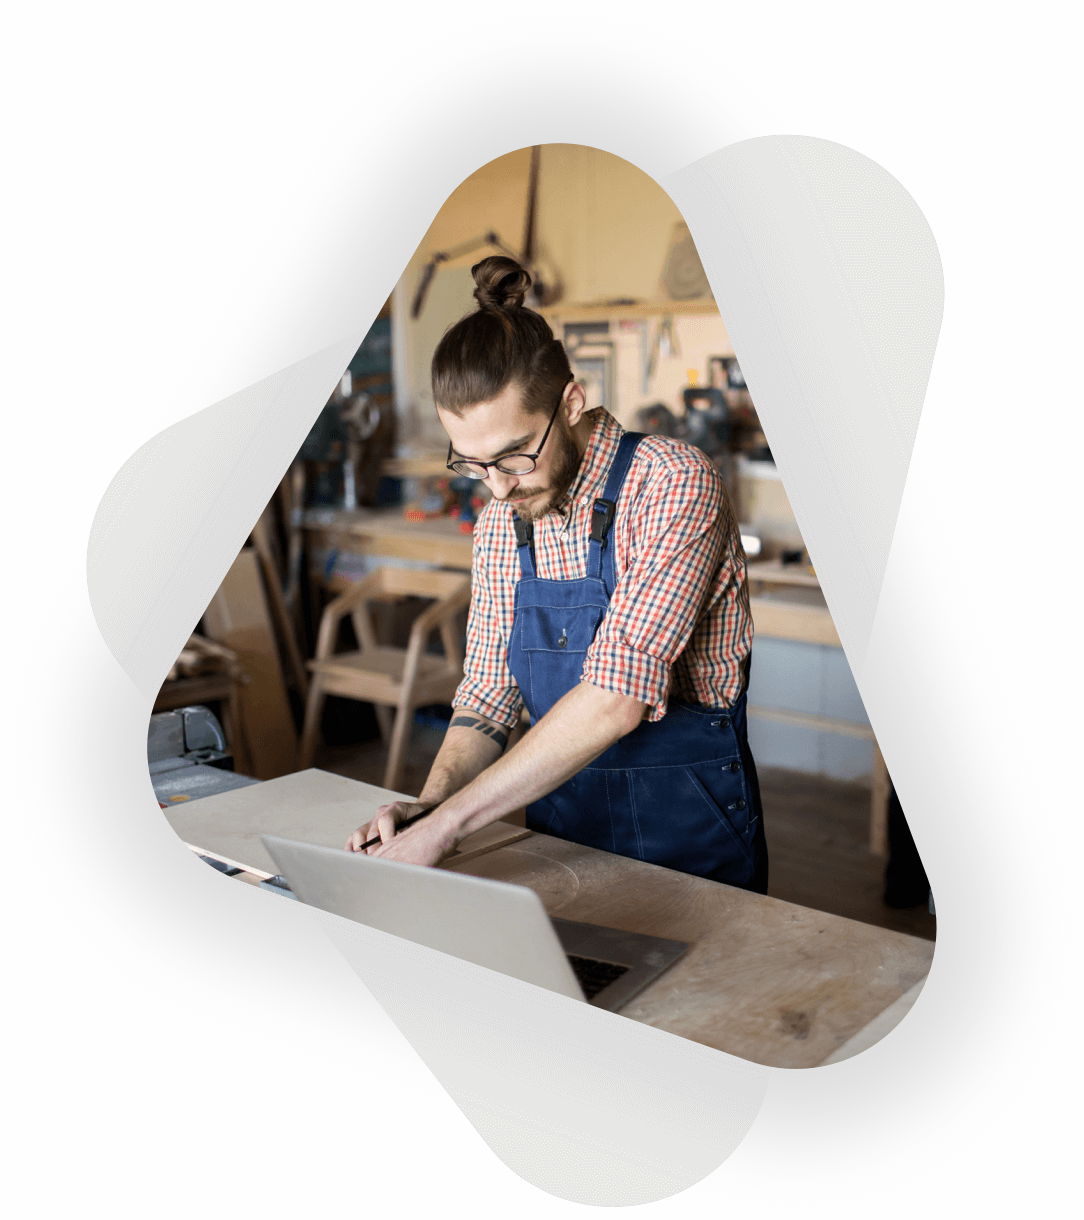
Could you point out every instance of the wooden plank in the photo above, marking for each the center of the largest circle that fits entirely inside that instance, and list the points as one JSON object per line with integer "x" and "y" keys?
{"x": 238, "y": 617}
{"x": 774, "y": 983}
{"x": 489, "y": 838}
{"x": 792, "y": 621}
{"x": 261, "y": 538}
{"x": 310, "y": 806}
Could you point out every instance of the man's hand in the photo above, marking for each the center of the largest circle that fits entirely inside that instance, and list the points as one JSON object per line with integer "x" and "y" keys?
{"x": 384, "y": 824}
{"x": 426, "y": 842}
{"x": 464, "y": 754}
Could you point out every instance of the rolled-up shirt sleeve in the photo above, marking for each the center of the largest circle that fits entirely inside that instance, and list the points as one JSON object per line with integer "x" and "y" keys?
{"x": 488, "y": 686}
{"x": 676, "y": 544}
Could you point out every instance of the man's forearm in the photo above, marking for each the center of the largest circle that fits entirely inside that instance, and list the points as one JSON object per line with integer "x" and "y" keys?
{"x": 467, "y": 750}
{"x": 581, "y": 725}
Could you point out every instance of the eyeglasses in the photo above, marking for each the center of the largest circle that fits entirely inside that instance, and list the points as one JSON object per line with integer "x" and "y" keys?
{"x": 512, "y": 463}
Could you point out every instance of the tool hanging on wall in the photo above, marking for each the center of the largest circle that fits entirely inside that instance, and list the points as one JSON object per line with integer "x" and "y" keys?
{"x": 683, "y": 277}
{"x": 664, "y": 346}
{"x": 446, "y": 256}
{"x": 545, "y": 288}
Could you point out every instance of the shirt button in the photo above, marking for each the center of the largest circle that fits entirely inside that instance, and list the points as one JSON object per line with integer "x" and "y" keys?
{"x": 583, "y": 499}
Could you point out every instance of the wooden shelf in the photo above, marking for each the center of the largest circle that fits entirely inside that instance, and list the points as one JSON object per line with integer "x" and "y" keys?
{"x": 421, "y": 466}
{"x": 790, "y": 621}
{"x": 643, "y": 309}
{"x": 386, "y": 532}
{"x": 773, "y": 572}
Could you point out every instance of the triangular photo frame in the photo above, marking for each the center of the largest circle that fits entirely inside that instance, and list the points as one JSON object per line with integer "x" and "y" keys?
{"x": 829, "y": 283}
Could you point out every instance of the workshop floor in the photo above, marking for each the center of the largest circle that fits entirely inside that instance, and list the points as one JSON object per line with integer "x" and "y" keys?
{"x": 817, "y": 830}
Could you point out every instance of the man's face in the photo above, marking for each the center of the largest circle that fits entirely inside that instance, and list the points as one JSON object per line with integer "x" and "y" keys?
{"x": 500, "y": 427}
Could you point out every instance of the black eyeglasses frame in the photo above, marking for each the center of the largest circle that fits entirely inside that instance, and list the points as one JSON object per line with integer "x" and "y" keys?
{"x": 508, "y": 456}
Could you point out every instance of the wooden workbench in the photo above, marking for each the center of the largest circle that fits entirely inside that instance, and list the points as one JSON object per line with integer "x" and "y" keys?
{"x": 385, "y": 531}
{"x": 769, "y": 981}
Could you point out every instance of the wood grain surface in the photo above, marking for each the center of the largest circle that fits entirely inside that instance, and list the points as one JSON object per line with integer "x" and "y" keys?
{"x": 775, "y": 983}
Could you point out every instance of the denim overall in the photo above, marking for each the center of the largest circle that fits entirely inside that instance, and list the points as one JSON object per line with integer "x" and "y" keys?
{"x": 682, "y": 791}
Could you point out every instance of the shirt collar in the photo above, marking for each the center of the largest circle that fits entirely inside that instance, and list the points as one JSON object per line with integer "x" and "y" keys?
{"x": 598, "y": 456}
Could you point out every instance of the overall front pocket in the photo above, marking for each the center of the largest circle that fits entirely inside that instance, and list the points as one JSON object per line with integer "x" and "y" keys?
{"x": 724, "y": 791}
{"x": 683, "y": 822}
{"x": 558, "y": 629}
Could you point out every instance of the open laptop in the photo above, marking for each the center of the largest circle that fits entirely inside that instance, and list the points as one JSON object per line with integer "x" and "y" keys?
{"x": 491, "y": 923}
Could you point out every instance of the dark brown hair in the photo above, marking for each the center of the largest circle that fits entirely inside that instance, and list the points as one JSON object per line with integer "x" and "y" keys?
{"x": 500, "y": 343}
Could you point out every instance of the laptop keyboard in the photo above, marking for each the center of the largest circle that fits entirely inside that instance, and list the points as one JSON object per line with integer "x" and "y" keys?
{"x": 594, "y": 976}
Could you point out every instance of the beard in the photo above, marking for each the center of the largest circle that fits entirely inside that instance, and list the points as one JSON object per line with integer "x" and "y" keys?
{"x": 566, "y": 464}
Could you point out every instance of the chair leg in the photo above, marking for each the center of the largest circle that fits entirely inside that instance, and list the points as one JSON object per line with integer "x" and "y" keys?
{"x": 383, "y": 719}
{"x": 400, "y": 736}
{"x": 314, "y": 707}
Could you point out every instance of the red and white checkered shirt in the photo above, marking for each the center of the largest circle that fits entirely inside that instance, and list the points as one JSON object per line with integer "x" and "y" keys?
{"x": 678, "y": 623}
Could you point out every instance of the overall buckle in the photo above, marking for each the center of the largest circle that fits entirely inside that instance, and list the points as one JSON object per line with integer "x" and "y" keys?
{"x": 602, "y": 516}
{"x": 524, "y": 532}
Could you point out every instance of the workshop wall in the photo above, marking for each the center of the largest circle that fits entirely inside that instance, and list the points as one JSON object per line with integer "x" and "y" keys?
{"x": 603, "y": 223}
{"x": 604, "y": 228}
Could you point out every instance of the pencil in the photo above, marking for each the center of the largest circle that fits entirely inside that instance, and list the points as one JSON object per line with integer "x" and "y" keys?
{"x": 402, "y": 825}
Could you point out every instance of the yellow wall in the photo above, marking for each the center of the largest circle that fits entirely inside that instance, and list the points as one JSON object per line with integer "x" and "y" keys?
{"x": 603, "y": 225}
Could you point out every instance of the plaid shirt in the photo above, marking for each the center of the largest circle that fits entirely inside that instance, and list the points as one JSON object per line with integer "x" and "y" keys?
{"x": 678, "y": 622}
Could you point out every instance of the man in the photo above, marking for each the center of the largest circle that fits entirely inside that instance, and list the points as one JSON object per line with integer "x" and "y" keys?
{"x": 609, "y": 596}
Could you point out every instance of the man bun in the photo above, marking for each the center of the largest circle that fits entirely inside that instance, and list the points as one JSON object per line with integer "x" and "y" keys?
{"x": 499, "y": 344}
{"x": 501, "y": 283}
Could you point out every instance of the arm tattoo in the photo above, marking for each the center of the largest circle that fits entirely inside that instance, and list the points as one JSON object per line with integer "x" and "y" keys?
{"x": 468, "y": 722}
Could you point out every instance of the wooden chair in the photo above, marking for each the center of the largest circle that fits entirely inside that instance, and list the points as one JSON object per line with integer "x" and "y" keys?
{"x": 388, "y": 677}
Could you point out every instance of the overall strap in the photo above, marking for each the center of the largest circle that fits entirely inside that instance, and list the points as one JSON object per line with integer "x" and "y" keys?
{"x": 524, "y": 545}
{"x": 604, "y": 510}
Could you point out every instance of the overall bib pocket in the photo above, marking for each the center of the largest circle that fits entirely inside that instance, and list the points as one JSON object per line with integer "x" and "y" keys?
{"x": 552, "y": 642}
{"x": 560, "y": 630}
